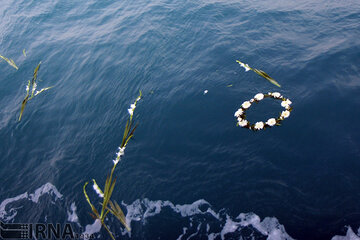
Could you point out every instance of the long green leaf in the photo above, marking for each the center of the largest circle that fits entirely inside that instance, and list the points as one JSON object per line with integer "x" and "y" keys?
{"x": 119, "y": 214}
{"x": 10, "y": 62}
{"x": 266, "y": 76}
{"x": 24, "y": 102}
{"x": 88, "y": 200}
{"x": 260, "y": 73}
{"x": 42, "y": 90}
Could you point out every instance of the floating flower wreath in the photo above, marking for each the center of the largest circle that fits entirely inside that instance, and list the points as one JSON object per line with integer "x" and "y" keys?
{"x": 241, "y": 116}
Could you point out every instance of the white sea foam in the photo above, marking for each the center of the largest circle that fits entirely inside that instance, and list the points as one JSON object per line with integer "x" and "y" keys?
{"x": 140, "y": 210}
{"x": 350, "y": 235}
{"x": 92, "y": 228}
{"x": 47, "y": 188}
{"x": 198, "y": 218}
{"x": 72, "y": 216}
{"x": 9, "y": 214}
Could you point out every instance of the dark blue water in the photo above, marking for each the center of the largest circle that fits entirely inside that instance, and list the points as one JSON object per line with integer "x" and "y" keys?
{"x": 302, "y": 176}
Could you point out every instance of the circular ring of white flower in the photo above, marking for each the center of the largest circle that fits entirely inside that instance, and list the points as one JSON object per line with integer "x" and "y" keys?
{"x": 240, "y": 114}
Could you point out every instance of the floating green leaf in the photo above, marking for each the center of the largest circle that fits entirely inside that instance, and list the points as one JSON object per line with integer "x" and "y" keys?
{"x": 42, "y": 90}
{"x": 259, "y": 72}
{"x": 118, "y": 213}
{"x": 107, "y": 205}
{"x": 10, "y": 62}
{"x": 32, "y": 84}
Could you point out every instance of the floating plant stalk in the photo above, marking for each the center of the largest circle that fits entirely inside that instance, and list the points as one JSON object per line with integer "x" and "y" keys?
{"x": 31, "y": 84}
{"x": 259, "y": 72}
{"x": 108, "y": 206}
{"x": 10, "y": 62}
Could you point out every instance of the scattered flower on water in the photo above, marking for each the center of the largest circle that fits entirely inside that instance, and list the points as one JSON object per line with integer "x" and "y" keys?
{"x": 116, "y": 161}
{"x": 133, "y": 106}
{"x": 285, "y": 114}
{"x": 286, "y": 103}
{"x": 238, "y": 113}
{"x": 243, "y": 123}
{"x": 276, "y": 95}
{"x": 259, "y": 97}
{"x": 245, "y": 66}
{"x": 206, "y": 91}
{"x": 271, "y": 122}
{"x": 120, "y": 153}
{"x": 259, "y": 125}
{"x": 246, "y": 104}
{"x": 98, "y": 190}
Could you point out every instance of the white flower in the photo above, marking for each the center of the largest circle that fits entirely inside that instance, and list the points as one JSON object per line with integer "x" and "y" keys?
{"x": 133, "y": 106}
{"x": 121, "y": 152}
{"x": 246, "y": 104}
{"x": 206, "y": 91}
{"x": 98, "y": 190}
{"x": 259, "y": 125}
{"x": 240, "y": 119}
{"x": 116, "y": 161}
{"x": 285, "y": 114}
{"x": 238, "y": 113}
{"x": 131, "y": 111}
{"x": 27, "y": 88}
{"x": 271, "y": 122}
{"x": 251, "y": 100}
{"x": 34, "y": 86}
{"x": 259, "y": 97}
{"x": 286, "y": 103}
{"x": 276, "y": 95}
{"x": 243, "y": 123}
{"x": 246, "y": 66}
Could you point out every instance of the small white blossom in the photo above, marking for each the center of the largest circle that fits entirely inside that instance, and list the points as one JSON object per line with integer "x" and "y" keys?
{"x": 276, "y": 95}
{"x": 246, "y": 66}
{"x": 251, "y": 100}
{"x": 34, "y": 86}
{"x": 27, "y": 88}
{"x": 116, "y": 161}
{"x": 246, "y": 104}
{"x": 243, "y": 123}
{"x": 206, "y": 91}
{"x": 238, "y": 113}
{"x": 98, "y": 190}
{"x": 271, "y": 122}
{"x": 285, "y": 114}
{"x": 259, "y": 97}
{"x": 259, "y": 125}
{"x": 121, "y": 151}
{"x": 131, "y": 111}
{"x": 240, "y": 119}
{"x": 286, "y": 103}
